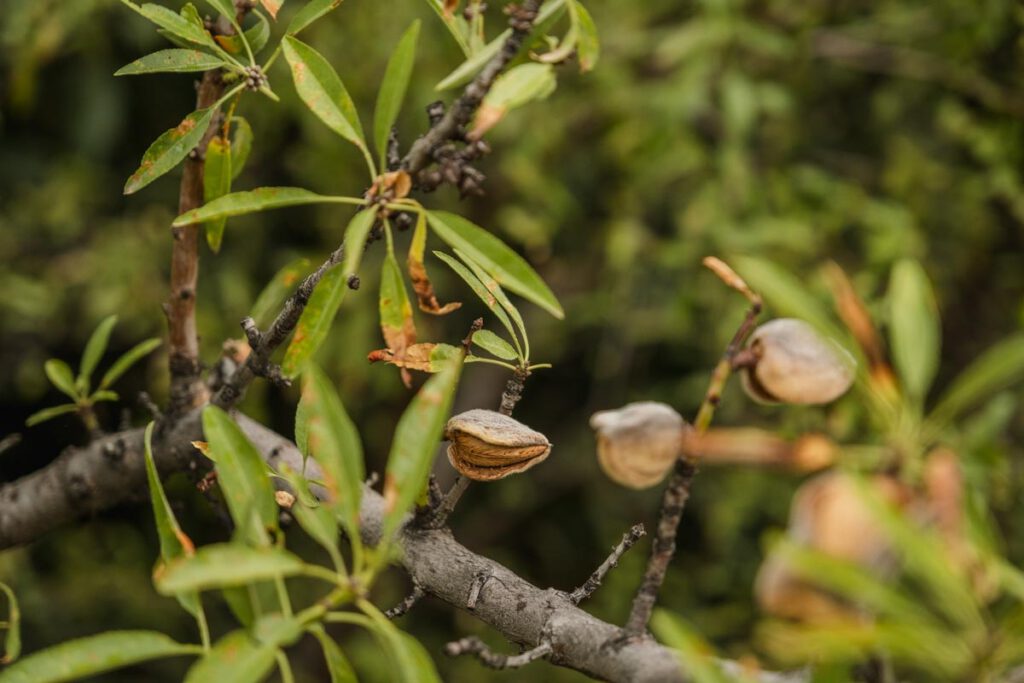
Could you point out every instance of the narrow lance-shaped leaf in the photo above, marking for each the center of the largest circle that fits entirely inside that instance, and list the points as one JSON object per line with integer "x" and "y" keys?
{"x": 338, "y": 666}
{"x": 12, "y": 641}
{"x": 316, "y": 319}
{"x": 170, "y": 21}
{"x": 480, "y": 290}
{"x": 94, "y": 655}
{"x": 130, "y": 358}
{"x": 409, "y": 659}
{"x": 415, "y": 442}
{"x": 169, "y": 149}
{"x": 492, "y": 286}
{"x": 172, "y": 61}
{"x": 392, "y": 89}
{"x": 491, "y": 342}
{"x": 94, "y": 350}
{"x": 421, "y": 284}
{"x": 260, "y": 199}
{"x": 217, "y": 177}
{"x": 334, "y": 443}
{"x": 396, "y": 322}
{"x": 514, "y": 88}
{"x": 243, "y": 656}
{"x": 496, "y": 258}
{"x": 998, "y": 367}
{"x": 257, "y": 37}
{"x": 588, "y": 47}
{"x": 59, "y": 374}
{"x": 241, "y": 145}
{"x": 314, "y": 516}
{"x": 242, "y": 476}
{"x": 277, "y": 290}
{"x": 695, "y": 655}
{"x": 50, "y": 413}
{"x": 323, "y": 92}
{"x": 226, "y": 564}
{"x": 913, "y": 328}
{"x": 310, "y": 12}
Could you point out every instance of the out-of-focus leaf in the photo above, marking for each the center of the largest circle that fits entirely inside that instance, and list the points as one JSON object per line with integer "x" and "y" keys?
{"x": 514, "y": 88}
{"x": 60, "y": 375}
{"x": 217, "y": 177}
{"x": 410, "y": 661}
{"x": 242, "y": 476}
{"x": 425, "y": 357}
{"x": 310, "y": 12}
{"x": 84, "y": 657}
{"x": 222, "y": 565}
{"x": 496, "y": 258}
{"x": 50, "y": 413}
{"x": 171, "y": 61}
{"x": 1000, "y": 366}
{"x": 338, "y": 666}
{"x": 104, "y": 395}
{"x": 260, "y": 199}
{"x": 257, "y": 37}
{"x": 914, "y": 332}
{"x": 696, "y": 656}
{"x": 223, "y": 7}
{"x": 588, "y": 47}
{"x": 312, "y": 515}
{"x": 396, "y": 322}
{"x": 494, "y": 344}
{"x": 270, "y": 300}
{"x": 323, "y": 92}
{"x": 272, "y": 6}
{"x": 170, "y": 21}
{"x": 316, "y": 319}
{"x": 415, "y": 443}
{"x": 169, "y": 149}
{"x": 93, "y": 352}
{"x": 479, "y": 289}
{"x": 238, "y": 657}
{"x": 334, "y": 443}
{"x": 128, "y": 359}
{"x": 12, "y": 641}
{"x": 392, "y": 89}
{"x": 241, "y": 145}
{"x": 173, "y": 541}
{"x": 421, "y": 284}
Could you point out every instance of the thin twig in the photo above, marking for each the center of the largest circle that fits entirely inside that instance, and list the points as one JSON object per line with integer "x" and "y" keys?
{"x": 407, "y": 603}
{"x": 472, "y": 645}
{"x": 629, "y": 539}
{"x": 678, "y": 490}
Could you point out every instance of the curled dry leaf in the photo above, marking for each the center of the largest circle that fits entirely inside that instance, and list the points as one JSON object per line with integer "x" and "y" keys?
{"x": 486, "y": 445}
{"x": 638, "y": 444}
{"x": 396, "y": 322}
{"x": 390, "y": 186}
{"x": 421, "y": 284}
{"x": 425, "y": 357}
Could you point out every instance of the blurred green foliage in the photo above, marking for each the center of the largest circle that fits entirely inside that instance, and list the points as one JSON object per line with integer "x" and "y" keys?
{"x": 859, "y": 132}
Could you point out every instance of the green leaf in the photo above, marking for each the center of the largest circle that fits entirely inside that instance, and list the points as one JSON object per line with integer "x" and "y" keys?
{"x": 310, "y": 12}
{"x": 317, "y": 317}
{"x": 12, "y": 641}
{"x": 273, "y": 295}
{"x": 337, "y": 664}
{"x": 241, "y": 145}
{"x": 83, "y": 657}
{"x": 104, "y": 395}
{"x": 94, "y": 350}
{"x": 409, "y": 659}
{"x": 260, "y": 199}
{"x": 392, "y": 89}
{"x": 242, "y": 476}
{"x": 172, "y": 61}
{"x": 238, "y": 657}
{"x": 479, "y": 289}
{"x": 414, "y": 444}
{"x": 514, "y": 88}
{"x": 396, "y": 322}
{"x": 697, "y": 657}
{"x": 588, "y": 47}
{"x": 223, "y": 565}
{"x": 168, "y": 20}
{"x": 130, "y": 358}
{"x": 314, "y": 516}
{"x": 998, "y": 367}
{"x": 169, "y": 149}
{"x": 323, "y": 92}
{"x": 914, "y": 332}
{"x": 257, "y": 37}
{"x": 173, "y": 541}
{"x": 217, "y": 177}
{"x": 496, "y": 258}
{"x": 60, "y": 376}
{"x": 334, "y": 443}
{"x": 50, "y": 413}
{"x": 494, "y": 344}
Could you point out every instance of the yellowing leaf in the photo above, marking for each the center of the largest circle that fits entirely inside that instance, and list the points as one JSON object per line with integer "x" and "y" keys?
{"x": 396, "y": 322}
{"x": 217, "y": 177}
{"x": 169, "y": 149}
{"x": 421, "y": 284}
